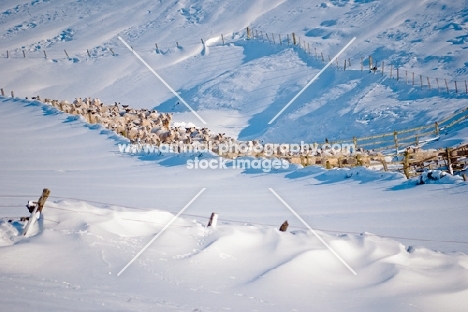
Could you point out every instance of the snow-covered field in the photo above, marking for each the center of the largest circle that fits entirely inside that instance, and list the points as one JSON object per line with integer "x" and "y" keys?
{"x": 406, "y": 242}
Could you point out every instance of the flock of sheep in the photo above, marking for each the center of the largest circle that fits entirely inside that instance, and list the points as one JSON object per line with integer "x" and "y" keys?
{"x": 143, "y": 126}
{"x": 138, "y": 125}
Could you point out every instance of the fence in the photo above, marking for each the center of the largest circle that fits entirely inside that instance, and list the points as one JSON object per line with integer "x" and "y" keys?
{"x": 398, "y": 140}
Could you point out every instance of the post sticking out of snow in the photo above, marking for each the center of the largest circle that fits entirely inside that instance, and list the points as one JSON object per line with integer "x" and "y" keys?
{"x": 203, "y": 42}
{"x": 12, "y": 93}
{"x": 2, "y": 91}
{"x": 395, "y": 138}
{"x": 45, "y": 54}
{"x": 66, "y": 53}
{"x": 446, "y": 84}
{"x": 464, "y": 177}
{"x": 24, "y": 54}
{"x": 87, "y": 51}
{"x": 7, "y": 54}
{"x": 213, "y": 220}
{"x": 456, "y": 88}
{"x": 294, "y": 38}
{"x": 248, "y": 33}
{"x": 284, "y": 226}
{"x": 222, "y": 38}
{"x": 112, "y": 51}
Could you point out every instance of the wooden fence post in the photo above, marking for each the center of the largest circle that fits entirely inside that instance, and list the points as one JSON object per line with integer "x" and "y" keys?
{"x": 66, "y": 53}
{"x": 308, "y": 49}
{"x": 7, "y": 54}
{"x": 466, "y": 87}
{"x": 384, "y": 163}
{"x": 464, "y": 177}
{"x": 287, "y": 35}
{"x": 12, "y": 93}
{"x": 87, "y": 51}
{"x": 39, "y": 207}
{"x": 222, "y": 38}
{"x": 24, "y": 54}
{"x": 177, "y": 45}
{"x": 294, "y": 38}
{"x": 413, "y": 78}
{"x": 370, "y": 62}
{"x": 203, "y": 42}
{"x": 3, "y": 92}
{"x": 383, "y": 67}
{"x": 112, "y": 51}
{"x": 446, "y": 84}
{"x": 420, "y": 78}
{"x": 456, "y": 88}
{"x": 436, "y": 128}
{"x": 437, "y": 81}
{"x": 349, "y": 62}
{"x": 45, "y": 54}
{"x": 268, "y": 38}
{"x": 281, "y": 42}
{"x": 248, "y": 33}
{"x": 391, "y": 71}
{"x": 284, "y": 226}
{"x": 157, "y": 48}
{"x": 273, "y": 36}
{"x": 406, "y": 164}
{"x": 323, "y": 59}
{"x": 449, "y": 161}
{"x": 213, "y": 220}
{"x": 261, "y": 34}
{"x": 344, "y": 67}
{"x": 428, "y": 83}
{"x": 406, "y": 76}
{"x": 397, "y": 73}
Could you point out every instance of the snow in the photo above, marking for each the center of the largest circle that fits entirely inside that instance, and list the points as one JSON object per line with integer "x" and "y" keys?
{"x": 406, "y": 240}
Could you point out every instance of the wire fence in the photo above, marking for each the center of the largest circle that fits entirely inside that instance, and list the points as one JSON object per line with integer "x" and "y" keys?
{"x": 226, "y": 221}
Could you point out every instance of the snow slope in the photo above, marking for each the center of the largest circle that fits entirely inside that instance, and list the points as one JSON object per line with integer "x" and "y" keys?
{"x": 407, "y": 242}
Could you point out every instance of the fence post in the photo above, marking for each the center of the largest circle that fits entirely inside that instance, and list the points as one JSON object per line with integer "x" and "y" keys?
{"x": 383, "y": 67}
{"x": 203, "y": 42}
{"x": 7, "y": 54}
{"x": 281, "y": 42}
{"x": 308, "y": 49}
{"x": 112, "y": 51}
{"x": 449, "y": 161}
{"x": 406, "y": 165}
{"x": 413, "y": 78}
{"x": 222, "y": 38}
{"x": 12, "y": 93}
{"x": 24, "y": 54}
{"x": 391, "y": 71}
{"x": 273, "y": 36}
{"x": 284, "y": 226}
{"x": 420, "y": 78}
{"x": 395, "y": 139}
{"x": 177, "y": 44}
{"x": 45, "y": 54}
{"x": 436, "y": 128}
{"x": 344, "y": 68}
{"x": 287, "y": 35}
{"x": 349, "y": 62}
{"x": 87, "y": 51}
{"x": 294, "y": 38}
{"x": 261, "y": 34}
{"x": 248, "y": 33}
{"x": 213, "y": 220}
{"x": 466, "y": 87}
{"x": 406, "y": 76}
{"x": 397, "y": 74}
{"x": 2, "y": 92}
{"x": 355, "y": 143}
{"x": 39, "y": 206}
{"x": 370, "y": 62}
{"x": 437, "y": 81}
{"x": 456, "y": 88}
{"x": 66, "y": 53}
{"x": 428, "y": 83}
{"x": 323, "y": 59}
{"x": 268, "y": 38}
{"x": 446, "y": 84}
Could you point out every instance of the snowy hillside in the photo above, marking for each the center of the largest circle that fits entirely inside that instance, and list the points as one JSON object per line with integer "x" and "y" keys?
{"x": 407, "y": 242}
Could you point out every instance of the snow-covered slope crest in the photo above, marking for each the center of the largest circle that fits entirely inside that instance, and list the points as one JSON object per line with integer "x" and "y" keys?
{"x": 276, "y": 269}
